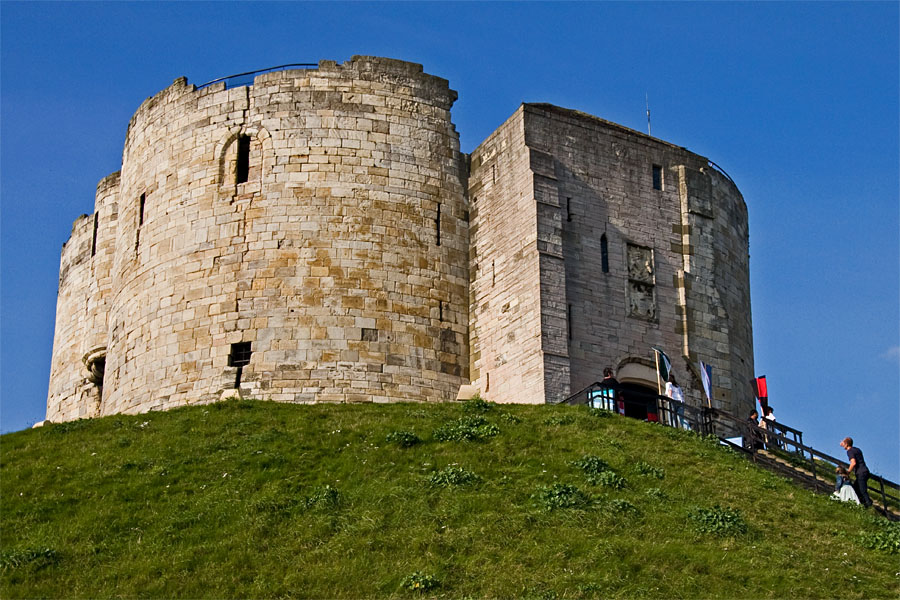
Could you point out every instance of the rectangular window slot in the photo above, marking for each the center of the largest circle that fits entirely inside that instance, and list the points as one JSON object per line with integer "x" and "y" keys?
{"x": 604, "y": 254}
{"x": 568, "y": 209}
{"x": 657, "y": 177}
{"x": 141, "y": 203}
{"x": 240, "y": 358}
{"x": 437, "y": 224}
{"x": 94, "y": 239}
{"x": 369, "y": 334}
{"x": 242, "y": 171}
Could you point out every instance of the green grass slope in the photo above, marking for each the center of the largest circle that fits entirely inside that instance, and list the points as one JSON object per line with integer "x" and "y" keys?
{"x": 258, "y": 500}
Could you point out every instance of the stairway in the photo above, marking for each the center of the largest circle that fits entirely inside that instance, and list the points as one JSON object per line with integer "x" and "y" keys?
{"x": 816, "y": 482}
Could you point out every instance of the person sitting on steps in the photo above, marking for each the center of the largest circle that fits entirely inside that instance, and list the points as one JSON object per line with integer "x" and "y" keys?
{"x": 843, "y": 487}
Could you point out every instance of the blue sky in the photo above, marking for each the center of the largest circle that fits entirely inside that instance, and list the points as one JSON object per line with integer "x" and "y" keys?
{"x": 798, "y": 102}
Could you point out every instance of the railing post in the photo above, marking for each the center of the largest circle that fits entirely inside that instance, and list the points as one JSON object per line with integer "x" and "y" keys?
{"x": 812, "y": 464}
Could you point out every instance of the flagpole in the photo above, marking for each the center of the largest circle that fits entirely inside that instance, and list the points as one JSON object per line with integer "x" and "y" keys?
{"x": 658, "y": 384}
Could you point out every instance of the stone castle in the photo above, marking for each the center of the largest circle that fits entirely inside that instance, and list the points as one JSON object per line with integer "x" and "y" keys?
{"x": 317, "y": 236}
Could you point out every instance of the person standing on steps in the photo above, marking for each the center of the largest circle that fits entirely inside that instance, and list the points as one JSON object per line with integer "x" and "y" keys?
{"x": 768, "y": 424}
{"x": 752, "y": 441}
{"x": 673, "y": 391}
{"x": 608, "y": 394}
{"x": 858, "y": 466}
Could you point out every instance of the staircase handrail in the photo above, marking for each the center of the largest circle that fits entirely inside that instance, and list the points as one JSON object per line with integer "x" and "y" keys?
{"x": 798, "y": 435}
{"x": 570, "y": 399}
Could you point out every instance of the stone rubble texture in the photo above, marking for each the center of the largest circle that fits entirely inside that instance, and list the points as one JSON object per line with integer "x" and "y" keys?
{"x": 366, "y": 259}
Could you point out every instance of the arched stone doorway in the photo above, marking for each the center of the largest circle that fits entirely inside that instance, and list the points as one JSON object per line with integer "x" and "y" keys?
{"x": 639, "y": 389}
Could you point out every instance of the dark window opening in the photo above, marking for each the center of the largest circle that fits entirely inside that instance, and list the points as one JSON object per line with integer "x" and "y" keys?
{"x": 568, "y": 209}
{"x": 94, "y": 239}
{"x": 493, "y": 272}
{"x": 240, "y": 358}
{"x": 441, "y": 310}
{"x": 96, "y": 368}
{"x": 437, "y": 224}
{"x": 657, "y": 177}
{"x": 141, "y": 203}
{"x": 242, "y": 171}
{"x": 604, "y": 254}
{"x": 369, "y": 334}
{"x": 569, "y": 320}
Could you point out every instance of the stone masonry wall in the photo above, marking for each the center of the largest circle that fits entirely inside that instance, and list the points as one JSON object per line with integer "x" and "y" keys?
{"x": 70, "y": 393}
{"x": 505, "y": 309}
{"x": 85, "y": 287}
{"x": 677, "y": 261}
{"x": 341, "y": 260}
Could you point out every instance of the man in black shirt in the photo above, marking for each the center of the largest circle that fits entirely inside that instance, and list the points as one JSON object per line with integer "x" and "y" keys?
{"x": 858, "y": 466}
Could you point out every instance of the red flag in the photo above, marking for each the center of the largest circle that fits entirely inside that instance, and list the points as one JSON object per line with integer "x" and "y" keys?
{"x": 761, "y": 391}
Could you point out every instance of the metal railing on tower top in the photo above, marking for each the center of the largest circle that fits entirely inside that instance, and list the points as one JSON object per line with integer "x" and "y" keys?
{"x": 240, "y": 79}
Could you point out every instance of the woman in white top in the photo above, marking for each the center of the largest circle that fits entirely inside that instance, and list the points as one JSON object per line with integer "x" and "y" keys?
{"x": 674, "y": 392}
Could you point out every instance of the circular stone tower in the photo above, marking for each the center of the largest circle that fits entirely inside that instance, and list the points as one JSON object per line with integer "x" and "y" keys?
{"x": 301, "y": 239}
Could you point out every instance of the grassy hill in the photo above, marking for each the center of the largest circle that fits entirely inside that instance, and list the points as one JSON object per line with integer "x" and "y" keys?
{"x": 258, "y": 500}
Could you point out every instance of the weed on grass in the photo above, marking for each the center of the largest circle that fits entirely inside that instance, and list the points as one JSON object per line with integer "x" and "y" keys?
{"x": 591, "y": 464}
{"x": 608, "y": 479}
{"x": 510, "y": 418}
{"x": 656, "y": 494}
{"x": 323, "y": 498}
{"x": 557, "y": 420}
{"x": 618, "y": 505}
{"x": 718, "y": 521}
{"x": 35, "y": 558}
{"x": 561, "y": 495}
{"x": 477, "y": 406}
{"x": 404, "y": 439}
{"x": 649, "y": 470}
{"x": 600, "y": 413}
{"x": 453, "y": 476}
{"x": 468, "y": 428}
{"x": 885, "y": 538}
{"x": 420, "y": 582}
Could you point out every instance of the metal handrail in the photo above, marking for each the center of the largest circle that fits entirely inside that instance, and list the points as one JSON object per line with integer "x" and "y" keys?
{"x": 721, "y": 170}
{"x": 574, "y": 398}
{"x": 268, "y": 70}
